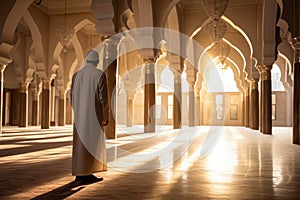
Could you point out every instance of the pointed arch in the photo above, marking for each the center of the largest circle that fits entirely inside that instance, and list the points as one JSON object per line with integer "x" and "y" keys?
{"x": 13, "y": 19}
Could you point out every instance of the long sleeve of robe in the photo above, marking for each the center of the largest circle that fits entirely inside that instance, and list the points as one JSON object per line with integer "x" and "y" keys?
{"x": 90, "y": 104}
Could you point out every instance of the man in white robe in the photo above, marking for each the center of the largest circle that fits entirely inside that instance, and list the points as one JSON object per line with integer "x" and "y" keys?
{"x": 90, "y": 104}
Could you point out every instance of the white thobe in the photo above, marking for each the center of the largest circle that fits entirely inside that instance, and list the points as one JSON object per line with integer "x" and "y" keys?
{"x": 90, "y": 105}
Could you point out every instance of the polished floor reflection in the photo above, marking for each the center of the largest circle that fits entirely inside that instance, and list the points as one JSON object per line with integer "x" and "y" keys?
{"x": 193, "y": 163}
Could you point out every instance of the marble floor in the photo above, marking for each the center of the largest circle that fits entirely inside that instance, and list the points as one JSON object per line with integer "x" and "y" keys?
{"x": 193, "y": 163}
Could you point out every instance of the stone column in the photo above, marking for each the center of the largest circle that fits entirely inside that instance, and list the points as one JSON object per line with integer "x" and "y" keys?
{"x": 191, "y": 105}
{"x": 23, "y": 112}
{"x": 177, "y": 98}
{"x": 52, "y": 104}
{"x": 149, "y": 95}
{"x": 266, "y": 99}
{"x": 202, "y": 117}
{"x": 289, "y": 105}
{"x": 198, "y": 111}
{"x": 110, "y": 68}
{"x": 247, "y": 107}
{"x": 69, "y": 112}
{"x": 130, "y": 111}
{"x": 261, "y": 99}
{"x": 296, "y": 90}
{"x": 242, "y": 110}
{"x": 2, "y": 68}
{"x": 198, "y": 99}
{"x": 250, "y": 106}
{"x": 45, "y": 118}
{"x": 61, "y": 108}
{"x": 255, "y": 104}
{"x": 35, "y": 106}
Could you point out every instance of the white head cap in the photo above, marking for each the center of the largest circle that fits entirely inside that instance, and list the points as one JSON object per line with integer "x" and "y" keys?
{"x": 92, "y": 56}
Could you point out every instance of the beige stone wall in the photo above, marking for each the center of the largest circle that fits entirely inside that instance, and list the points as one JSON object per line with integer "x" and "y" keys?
{"x": 281, "y": 109}
{"x": 121, "y": 108}
{"x": 138, "y": 109}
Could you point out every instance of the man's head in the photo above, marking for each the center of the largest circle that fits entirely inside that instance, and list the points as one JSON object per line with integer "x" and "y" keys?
{"x": 92, "y": 57}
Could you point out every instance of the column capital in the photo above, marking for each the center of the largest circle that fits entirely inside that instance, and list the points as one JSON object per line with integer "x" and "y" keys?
{"x": 147, "y": 60}
{"x": 191, "y": 86}
{"x": 248, "y": 81}
{"x": 295, "y": 42}
{"x": 175, "y": 61}
{"x": 149, "y": 65}
{"x": 24, "y": 87}
{"x": 191, "y": 72}
{"x": 246, "y": 91}
{"x": 265, "y": 71}
{"x": 254, "y": 84}
{"x": 177, "y": 77}
{"x": 111, "y": 38}
{"x": 110, "y": 46}
{"x": 35, "y": 94}
{"x": 61, "y": 94}
{"x": 148, "y": 53}
{"x": 106, "y": 36}
{"x": 259, "y": 68}
{"x": 46, "y": 83}
{"x": 197, "y": 93}
{"x": 132, "y": 96}
{"x": 255, "y": 72}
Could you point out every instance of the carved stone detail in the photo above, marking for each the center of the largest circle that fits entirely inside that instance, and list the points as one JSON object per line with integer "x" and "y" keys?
{"x": 295, "y": 42}
{"x": 265, "y": 71}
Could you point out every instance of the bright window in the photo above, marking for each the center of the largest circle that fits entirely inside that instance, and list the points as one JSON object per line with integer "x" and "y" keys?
{"x": 234, "y": 106}
{"x": 273, "y": 106}
{"x": 219, "y": 106}
{"x": 276, "y": 75}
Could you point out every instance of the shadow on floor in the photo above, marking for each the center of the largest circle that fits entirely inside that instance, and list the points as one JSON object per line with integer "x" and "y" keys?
{"x": 61, "y": 192}
{"x": 67, "y": 190}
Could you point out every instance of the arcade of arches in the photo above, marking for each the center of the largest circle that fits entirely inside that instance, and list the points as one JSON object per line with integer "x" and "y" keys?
{"x": 36, "y": 68}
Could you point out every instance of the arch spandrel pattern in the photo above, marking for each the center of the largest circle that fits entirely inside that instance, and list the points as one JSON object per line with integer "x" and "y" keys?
{"x": 19, "y": 11}
{"x": 37, "y": 45}
{"x": 12, "y": 19}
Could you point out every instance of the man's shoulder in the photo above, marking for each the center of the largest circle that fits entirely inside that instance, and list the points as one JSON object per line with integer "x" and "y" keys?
{"x": 96, "y": 71}
{"x": 89, "y": 67}
{"x": 91, "y": 70}
{"x": 75, "y": 74}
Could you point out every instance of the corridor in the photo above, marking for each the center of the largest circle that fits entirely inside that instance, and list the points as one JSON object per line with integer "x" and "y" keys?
{"x": 193, "y": 163}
